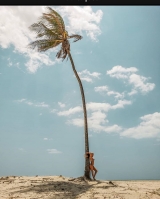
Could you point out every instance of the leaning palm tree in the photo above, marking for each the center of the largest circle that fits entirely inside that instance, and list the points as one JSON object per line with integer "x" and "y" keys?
{"x": 51, "y": 30}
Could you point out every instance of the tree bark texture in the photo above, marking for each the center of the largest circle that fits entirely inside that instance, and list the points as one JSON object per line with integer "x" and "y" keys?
{"x": 87, "y": 170}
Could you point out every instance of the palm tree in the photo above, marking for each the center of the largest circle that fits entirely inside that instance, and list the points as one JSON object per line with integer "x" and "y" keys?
{"x": 51, "y": 29}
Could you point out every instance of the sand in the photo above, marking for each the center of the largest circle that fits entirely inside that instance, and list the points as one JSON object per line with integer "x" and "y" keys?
{"x": 58, "y": 187}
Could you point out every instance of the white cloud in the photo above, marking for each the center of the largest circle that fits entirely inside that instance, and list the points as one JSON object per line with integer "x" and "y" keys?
{"x": 28, "y": 102}
{"x": 94, "y": 107}
{"x": 138, "y": 82}
{"x": 70, "y": 111}
{"x": 14, "y": 24}
{"x": 133, "y": 92}
{"x": 87, "y": 79}
{"x": 105, "y": 89}
{"x": 77, "y": 122}
{"x": 53, "y": 151}
{"x": 106, "y": 106}
{"x": 97, "y": 116}
{"x": 101, "y": 89}
{"x": 47, "y": 139}
{"x": 120, "y": 72}
{"x": 113, "y": 129}
{"x": 53, "y": 110}
{"x": 121, "y": 104}
{"x": 61, "y": 104}
{"x": 88, "y": 76}
{"x": 82, "y": 19}
{"x": 117, "y": 95}
{"x": 148, "y": 128}
{"x": 96, "y": 122}
{"x": 41, "y": 104}
{"x": 36, "y": 60}
{"x": 21, "y": 100}
{"x": 14, "y": 30}
{"x": 36, "y": 104}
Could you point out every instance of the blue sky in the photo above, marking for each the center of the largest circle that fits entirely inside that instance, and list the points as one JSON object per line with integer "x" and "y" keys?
{"x": 41, "y": 118}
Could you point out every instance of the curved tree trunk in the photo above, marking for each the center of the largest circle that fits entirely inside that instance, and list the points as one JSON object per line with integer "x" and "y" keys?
{"x": 87, "y": 170}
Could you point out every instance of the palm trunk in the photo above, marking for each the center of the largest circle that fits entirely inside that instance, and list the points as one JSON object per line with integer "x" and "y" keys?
{"x": 87, "y": 171}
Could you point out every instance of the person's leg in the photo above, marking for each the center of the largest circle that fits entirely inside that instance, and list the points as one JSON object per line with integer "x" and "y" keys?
{"x": 91, "y": 169}
{"x": 95, "y": 172}
{"x": 92, "y": 174}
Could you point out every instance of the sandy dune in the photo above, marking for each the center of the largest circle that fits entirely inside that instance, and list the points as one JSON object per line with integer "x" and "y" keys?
{"x": 58, "y": 187}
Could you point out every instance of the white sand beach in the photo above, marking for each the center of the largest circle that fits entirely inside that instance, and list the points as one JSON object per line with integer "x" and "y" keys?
{"x": 59, "y": 187}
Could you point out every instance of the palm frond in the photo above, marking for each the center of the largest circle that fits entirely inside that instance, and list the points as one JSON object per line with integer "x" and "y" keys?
{"x": 65, "y": 48}
{"x": 61, "y": 54}
{"x": 51, "y": 29}
{"x": 42, "y": 30}
{"x": 76, "y": 37}
{"x": 54, "y": 20}
{"x": 59, "y": 18}
{"x": 44, "y": 44}
{"x": 51, "y": 23}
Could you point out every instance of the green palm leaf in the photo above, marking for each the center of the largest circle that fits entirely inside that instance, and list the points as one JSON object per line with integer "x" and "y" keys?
{"x": 76, "y": 37}
{"x": 42, "y": 30}
{"x": 54, "y": 20}
{"x": 51, "y": 32}
{"x": 44, "y": 44}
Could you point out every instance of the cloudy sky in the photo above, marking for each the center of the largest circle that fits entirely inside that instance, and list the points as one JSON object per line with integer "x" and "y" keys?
{"x": 41, "y": 117}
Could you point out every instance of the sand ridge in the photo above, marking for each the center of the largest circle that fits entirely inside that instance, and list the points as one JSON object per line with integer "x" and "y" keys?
{"x": 60, "y": 187}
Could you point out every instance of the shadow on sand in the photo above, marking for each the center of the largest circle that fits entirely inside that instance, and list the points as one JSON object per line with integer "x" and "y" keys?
{"x": 60, "y": 189}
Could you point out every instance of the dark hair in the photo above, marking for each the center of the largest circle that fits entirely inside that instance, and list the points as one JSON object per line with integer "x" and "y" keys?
{"x": 88, "y": 155}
